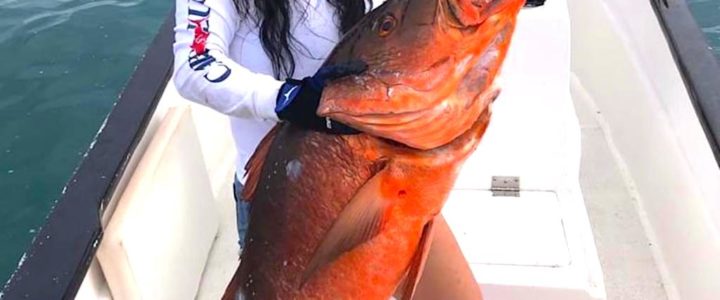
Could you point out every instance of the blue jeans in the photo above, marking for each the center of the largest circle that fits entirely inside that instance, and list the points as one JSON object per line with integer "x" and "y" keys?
{"x": 242, "y": 212}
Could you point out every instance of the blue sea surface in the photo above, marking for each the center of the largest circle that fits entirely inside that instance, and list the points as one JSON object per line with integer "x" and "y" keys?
{"x": 707, "y": 14}
{"x": 64, "y": 64}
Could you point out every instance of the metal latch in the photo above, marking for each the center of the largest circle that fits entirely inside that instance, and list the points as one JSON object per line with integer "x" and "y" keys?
{"x": 505, "y": 186}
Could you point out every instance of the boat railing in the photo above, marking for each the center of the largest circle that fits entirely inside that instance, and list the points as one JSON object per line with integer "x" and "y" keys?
{"x": 697, "y": 63}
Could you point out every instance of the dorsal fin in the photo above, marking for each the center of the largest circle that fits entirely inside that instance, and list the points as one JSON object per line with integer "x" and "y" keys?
{"x": 359, "y": 222}
{"x": 253, "y": 168}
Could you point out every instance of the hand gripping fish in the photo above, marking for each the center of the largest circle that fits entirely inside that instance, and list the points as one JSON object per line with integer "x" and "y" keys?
{"x": 351, "y": 216}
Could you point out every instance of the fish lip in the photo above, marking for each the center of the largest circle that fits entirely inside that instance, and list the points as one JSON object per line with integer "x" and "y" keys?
{"x": 463, "y": 64}
{"x": 367, "y": 119}
{"x": 327, "y": 110}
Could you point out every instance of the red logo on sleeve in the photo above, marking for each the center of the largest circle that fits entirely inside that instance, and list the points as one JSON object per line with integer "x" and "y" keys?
{"x": 201, "y": 35}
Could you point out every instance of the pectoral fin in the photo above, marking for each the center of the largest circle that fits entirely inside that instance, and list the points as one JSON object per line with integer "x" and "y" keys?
{"x": 360, "y": 221}
{"x": 253, "y": 168}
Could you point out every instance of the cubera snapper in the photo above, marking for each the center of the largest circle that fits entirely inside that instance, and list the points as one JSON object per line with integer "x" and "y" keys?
{"x": 351, "y": 216}
{"x": 429, "y": 63}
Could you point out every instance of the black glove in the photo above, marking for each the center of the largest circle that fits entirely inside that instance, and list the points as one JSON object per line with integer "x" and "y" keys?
{"x": 298, "y": 100}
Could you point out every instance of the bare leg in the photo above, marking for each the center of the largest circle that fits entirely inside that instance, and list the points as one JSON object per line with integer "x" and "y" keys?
{"x": 446, "y": 274}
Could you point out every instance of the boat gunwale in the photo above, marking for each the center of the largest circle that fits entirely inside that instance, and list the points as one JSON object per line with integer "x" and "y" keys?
{"x": 697, "y": 64}
{"x": 56, "y": 262}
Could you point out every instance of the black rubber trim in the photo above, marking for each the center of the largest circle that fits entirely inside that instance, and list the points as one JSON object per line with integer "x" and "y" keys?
{"x": 534, "y": 3}
{"x": 55, "y": 264}
{"x": 699, "y": 66}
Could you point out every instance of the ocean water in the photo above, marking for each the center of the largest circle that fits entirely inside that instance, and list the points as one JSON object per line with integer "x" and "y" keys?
{"x": 707, "y": 14}
{"x": 64, "y": 63}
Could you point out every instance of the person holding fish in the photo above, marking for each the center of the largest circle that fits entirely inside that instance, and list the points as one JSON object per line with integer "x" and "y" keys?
{"x": 267, "y": 61}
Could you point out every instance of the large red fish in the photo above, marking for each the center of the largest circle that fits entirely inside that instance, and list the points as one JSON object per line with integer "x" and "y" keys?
{"x": 351, "y": 216}
{"x": 429, "y": 61}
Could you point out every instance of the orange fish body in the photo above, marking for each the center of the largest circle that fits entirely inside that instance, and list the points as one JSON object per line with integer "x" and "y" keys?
{"x": 350, "y": 216}
{"x": 344, "y": 217}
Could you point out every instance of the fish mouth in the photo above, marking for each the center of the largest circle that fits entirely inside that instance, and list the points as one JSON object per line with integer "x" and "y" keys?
{"x": 428, "y": 108}
{"x": 427, "y": 84}
{"x": 473, "y": 72}
{"x": 436, "y": 123}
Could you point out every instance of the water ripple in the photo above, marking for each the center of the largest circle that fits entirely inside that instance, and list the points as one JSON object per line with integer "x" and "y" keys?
{"x": 48, "y": 19}
{"x": 713, "y": 29}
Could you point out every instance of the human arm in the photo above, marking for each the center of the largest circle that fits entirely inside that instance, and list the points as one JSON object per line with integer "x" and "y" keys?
{"x": 205, "y": 74}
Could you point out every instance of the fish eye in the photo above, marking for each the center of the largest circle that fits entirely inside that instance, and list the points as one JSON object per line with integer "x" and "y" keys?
{"x": 386, "y": 25}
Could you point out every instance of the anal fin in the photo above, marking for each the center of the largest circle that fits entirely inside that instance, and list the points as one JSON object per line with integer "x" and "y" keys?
{"x": 407, "y": 286}
{"x": 253, "y": 168}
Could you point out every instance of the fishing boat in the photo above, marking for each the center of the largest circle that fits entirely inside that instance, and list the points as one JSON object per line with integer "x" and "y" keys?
{"x": 598, "y": 177}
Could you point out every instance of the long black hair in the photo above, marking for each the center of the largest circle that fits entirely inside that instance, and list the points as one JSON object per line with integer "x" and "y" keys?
{"x": 273, "y": 18}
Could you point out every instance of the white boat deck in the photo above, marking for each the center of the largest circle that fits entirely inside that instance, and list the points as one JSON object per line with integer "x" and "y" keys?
{"x": 623, "y": 247}
{"x": 223, "y": 258}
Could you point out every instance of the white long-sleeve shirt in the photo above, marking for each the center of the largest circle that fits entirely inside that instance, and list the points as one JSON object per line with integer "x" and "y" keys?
{"x": 234, "y": 76}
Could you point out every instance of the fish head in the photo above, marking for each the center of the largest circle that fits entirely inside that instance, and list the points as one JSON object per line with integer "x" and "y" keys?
{"x": 429, "y": 63}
